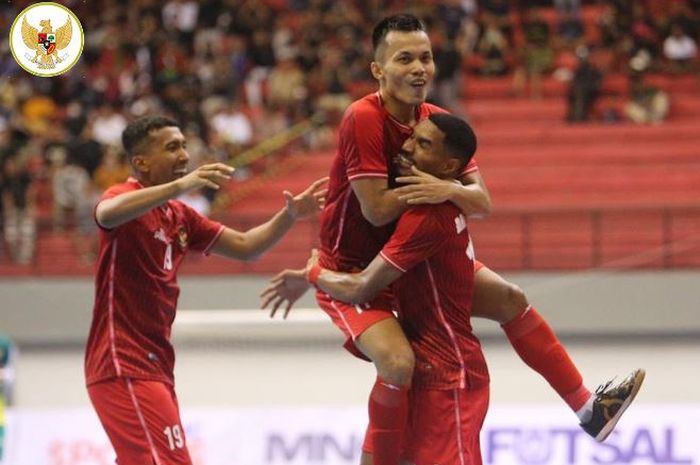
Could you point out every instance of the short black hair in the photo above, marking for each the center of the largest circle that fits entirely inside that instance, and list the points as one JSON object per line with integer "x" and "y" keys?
{"x": 460, "y": 139}
{"x": 401, "y": 22}
{"x": 138, "y": 131}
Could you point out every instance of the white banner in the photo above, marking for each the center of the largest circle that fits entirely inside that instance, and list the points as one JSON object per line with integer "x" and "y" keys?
{"x": 513, "y": 435}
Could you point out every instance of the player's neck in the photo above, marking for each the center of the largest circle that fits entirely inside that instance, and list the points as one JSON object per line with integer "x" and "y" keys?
{"x": 402, "y": 112}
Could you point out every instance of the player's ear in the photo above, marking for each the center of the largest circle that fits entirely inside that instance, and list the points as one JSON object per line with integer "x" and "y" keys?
{"x": 451, "y": 168}
{"x": 376, "y": 69}
{"x": 140, "y": 164}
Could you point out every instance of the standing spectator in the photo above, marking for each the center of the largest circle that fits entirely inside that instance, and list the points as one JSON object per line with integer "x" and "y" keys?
{"x": 585, "y": 87}
{"x": 537, "y": 55}
{"x": 19, "y": 222}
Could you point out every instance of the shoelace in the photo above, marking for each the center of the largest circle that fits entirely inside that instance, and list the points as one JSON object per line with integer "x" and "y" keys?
{"x": 603, "y": 388}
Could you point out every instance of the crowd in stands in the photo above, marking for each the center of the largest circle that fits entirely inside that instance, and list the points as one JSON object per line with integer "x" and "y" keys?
{"x": 235, "y": 72}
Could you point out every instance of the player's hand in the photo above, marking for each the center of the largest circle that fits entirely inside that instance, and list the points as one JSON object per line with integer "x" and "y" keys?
{"x": 308, "y": 202}
{"x": 424, "y": 188}
{"x": 213, "y": 175}
{"x": 284, "y": 289}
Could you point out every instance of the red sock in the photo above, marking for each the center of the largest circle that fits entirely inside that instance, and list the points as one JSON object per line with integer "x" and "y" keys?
{"x": 388, "y": 413}
{"x": 538, "y": 346}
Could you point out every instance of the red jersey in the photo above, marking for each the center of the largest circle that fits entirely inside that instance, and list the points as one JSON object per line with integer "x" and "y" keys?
{"x": 369, "y": 138}
{"x": 431, "y": 245}
{"x": 136, "y": 289}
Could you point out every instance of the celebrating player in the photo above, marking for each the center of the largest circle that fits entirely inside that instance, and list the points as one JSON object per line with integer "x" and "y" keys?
{"x": 430, "y": 260}
{"x": 357, "y": 222}
{"x": 144, "y": 236}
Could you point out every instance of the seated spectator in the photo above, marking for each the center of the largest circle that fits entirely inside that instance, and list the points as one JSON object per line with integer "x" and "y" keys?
{"x": 112, "y": 170}
{"x": 585, "y": 88}
{"x": 232, "y": 126}
{"x": 493, "y": 47}
{"x": 680, "y": 50}
{"x": 648, "y": 104}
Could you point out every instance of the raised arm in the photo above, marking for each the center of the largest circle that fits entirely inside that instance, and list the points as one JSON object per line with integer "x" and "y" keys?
{"x": 118, "y": 210}
{"x": 250, "y": 244}
{"x": 380, "y": 205}
{"x": 470, "y": 194}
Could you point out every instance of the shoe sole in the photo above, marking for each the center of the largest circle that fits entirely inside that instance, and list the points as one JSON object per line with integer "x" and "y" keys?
{"x": 610, "y": 426}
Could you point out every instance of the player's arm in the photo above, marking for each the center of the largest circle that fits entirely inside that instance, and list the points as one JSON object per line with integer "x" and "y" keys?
{"x": 356, "y": 288}
{"x": 470, "y": 194}
{"x": 123, "y": 208}
{"x": 250, "y": 244}
{"x": 380, "y": 205}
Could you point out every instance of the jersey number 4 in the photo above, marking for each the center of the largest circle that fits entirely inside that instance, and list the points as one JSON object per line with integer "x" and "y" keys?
{"x": 168, "y": 261}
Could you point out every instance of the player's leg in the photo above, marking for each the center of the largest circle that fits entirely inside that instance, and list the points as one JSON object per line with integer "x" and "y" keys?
{"x": 142, "y": 421}
{"x": 535, "y": 342}
{"x": 444, "y": 426}
{"x": 374, "y": 334}
{"x": 386, "y": 345}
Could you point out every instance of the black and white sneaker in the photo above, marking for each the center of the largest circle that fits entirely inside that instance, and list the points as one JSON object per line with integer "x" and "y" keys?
{"x": 610, "y": 403}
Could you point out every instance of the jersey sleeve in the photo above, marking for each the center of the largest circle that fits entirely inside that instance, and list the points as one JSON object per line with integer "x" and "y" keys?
{"x": 418, "y": 235}
{"x": 112, "y": 192}
{"x": 361, "y": 143}
{"x": 202, "y": 233}
{"x": 470, "y": 168}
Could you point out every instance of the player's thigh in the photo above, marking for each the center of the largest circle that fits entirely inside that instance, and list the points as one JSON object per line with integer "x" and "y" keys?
{"x": 385, "y": 342}
{"x": 495, "y": 298}
{"x": 142, "y": 421}
{"x": 445, "y": 425}
{"x": 356, "y": 320}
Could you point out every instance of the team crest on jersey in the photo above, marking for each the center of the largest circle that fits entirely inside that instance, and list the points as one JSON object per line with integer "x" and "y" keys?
{"x": 182, "y": 237}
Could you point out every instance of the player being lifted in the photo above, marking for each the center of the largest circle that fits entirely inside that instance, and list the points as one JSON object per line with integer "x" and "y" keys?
{"x": 359, "y": 218}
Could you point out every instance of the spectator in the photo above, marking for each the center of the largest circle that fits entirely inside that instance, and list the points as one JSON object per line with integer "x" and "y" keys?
{"x": 112, "y": 170}
{"x": 585, "y": 88}
{"x": 107, "y": 125}
{"x": 537, "y": 55}
{"x": 20, "y": 221}
{"x": 232, "y": 126}
{"x": 493, "y": 46}
{"x": 648, "y": 104}
{"x": 680, "y": 50}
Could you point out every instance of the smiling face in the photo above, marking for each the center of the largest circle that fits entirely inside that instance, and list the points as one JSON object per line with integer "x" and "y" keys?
{"x": 163, "y": 158}
{"x": 426, "y": 150}
{"x": 404, "y": 67}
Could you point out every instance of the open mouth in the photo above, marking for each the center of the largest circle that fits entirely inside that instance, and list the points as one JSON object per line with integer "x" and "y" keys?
{"x": 180, "y": 172}
{"x": 419, "y": 83}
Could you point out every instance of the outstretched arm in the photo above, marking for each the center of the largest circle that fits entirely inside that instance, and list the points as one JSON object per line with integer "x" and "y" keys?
{"x": 123, "y": 208}
{"x": 289, "y": 285}
{"x": 250, "y": 244}
{"x": 470, "y": 195}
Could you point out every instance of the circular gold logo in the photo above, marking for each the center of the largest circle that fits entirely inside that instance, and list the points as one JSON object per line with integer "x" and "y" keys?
{"x": 46, "y": 39}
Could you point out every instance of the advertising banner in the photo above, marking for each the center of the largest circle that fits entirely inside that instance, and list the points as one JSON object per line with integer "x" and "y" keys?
{"x": 513, "y": 435}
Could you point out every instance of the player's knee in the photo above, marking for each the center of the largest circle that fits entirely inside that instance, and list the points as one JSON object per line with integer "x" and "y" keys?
{"x": 397, "y": 367}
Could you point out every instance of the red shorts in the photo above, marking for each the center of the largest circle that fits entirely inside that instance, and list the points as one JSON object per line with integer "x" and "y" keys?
{"x": 444, "y": 426}
{"x": 142, "y": 421}
{"x": 353, "y": 320}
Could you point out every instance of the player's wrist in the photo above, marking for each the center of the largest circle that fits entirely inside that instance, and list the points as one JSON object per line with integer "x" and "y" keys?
{"x": 313, "y": 273}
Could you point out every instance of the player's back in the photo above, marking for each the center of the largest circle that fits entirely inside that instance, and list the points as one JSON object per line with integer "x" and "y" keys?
{"x": 435, "y": 306}
{"x": 369, "y": 138}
